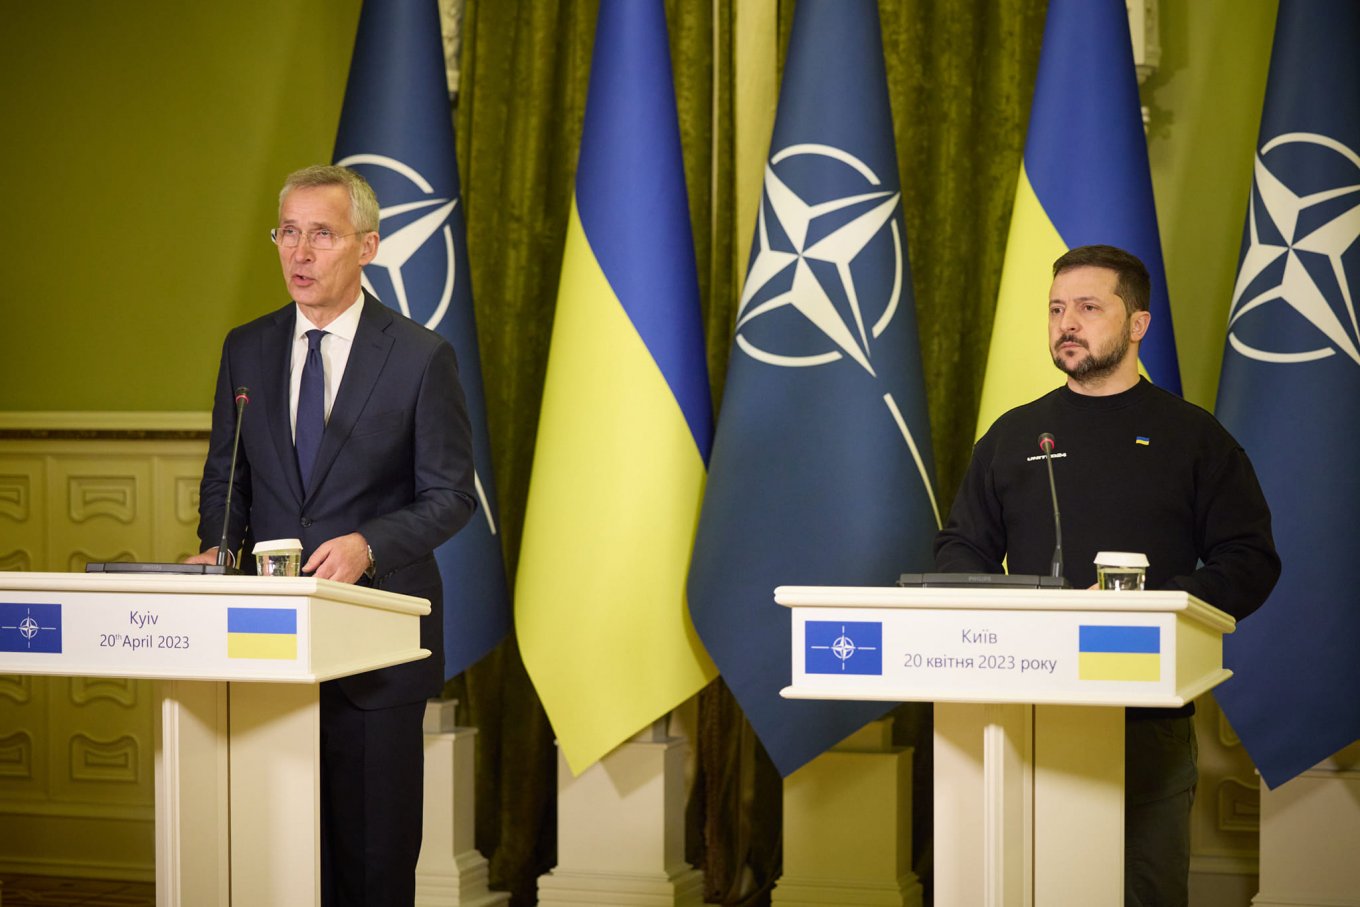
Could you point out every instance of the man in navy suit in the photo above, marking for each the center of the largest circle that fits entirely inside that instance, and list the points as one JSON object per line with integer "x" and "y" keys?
{"x": 356, "y": 440}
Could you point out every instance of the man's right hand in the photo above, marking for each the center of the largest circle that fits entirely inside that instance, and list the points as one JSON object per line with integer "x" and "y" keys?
{"x": 206, "y": 557}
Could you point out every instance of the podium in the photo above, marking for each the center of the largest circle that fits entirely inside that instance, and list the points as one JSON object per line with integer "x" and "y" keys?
{"x": 237, "y": 742}
{"x": 1029, "y": 688}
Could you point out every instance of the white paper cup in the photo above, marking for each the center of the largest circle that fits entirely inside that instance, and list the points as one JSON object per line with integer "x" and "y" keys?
{"x": 1121, "y": 571}
{"x": 279, "y": 557}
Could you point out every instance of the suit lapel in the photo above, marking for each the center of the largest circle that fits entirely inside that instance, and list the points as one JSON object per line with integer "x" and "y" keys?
{"x": 276, "y": 349}
{"x": 367, "y": 356}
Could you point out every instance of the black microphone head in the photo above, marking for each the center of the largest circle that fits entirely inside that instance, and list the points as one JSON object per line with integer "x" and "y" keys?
{"x": 242, "y": 395}
{"x": 1047, "y": 443}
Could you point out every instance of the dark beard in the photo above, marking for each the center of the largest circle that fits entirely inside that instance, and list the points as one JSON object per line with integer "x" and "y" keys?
{"x": 1094, "y": 366}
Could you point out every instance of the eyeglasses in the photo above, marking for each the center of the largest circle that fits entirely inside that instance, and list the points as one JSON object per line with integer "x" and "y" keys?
{"x": 323, "y": 239}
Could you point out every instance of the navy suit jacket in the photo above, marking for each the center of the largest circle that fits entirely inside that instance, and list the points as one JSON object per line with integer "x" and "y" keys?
{"x": 395, "y": 464}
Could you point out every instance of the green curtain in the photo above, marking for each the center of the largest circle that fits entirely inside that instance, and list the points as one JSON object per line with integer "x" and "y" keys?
{"x": 960, "y": 77}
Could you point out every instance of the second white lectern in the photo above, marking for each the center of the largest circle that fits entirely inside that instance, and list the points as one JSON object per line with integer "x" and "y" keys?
{"x": 1029, "y": 688}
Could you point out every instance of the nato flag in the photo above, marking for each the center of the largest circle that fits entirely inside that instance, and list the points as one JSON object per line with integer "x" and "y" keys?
{"x": 821, "y": 471}
{"x": 397, "y": 130}
{"x": 1290, "y": 393}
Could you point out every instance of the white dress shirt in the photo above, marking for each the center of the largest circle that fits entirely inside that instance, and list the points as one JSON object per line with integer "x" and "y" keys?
{"x": 335, "y": 347}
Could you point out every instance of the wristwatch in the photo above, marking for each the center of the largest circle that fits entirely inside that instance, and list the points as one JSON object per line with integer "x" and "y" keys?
{"x": 371, "y": 571}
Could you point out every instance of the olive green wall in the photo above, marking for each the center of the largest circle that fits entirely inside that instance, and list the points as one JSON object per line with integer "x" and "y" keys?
{"x": 144, "y": 143}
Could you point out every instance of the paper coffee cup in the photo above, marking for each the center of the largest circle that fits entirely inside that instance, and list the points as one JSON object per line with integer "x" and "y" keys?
{"x": 1121, "y": 571}
{"x": 279, "y": 557}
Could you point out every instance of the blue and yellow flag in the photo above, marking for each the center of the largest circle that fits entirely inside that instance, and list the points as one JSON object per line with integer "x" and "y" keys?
{"x": 627, "y": 421}
{"x": 822, "y": 471}
{"x": 1290, "y": 394}
{"x": 262, "y": 633}
{"x": 1119, "y": 653}
{"x": 396, "y": 130}
{"x": 1084, "y": 180}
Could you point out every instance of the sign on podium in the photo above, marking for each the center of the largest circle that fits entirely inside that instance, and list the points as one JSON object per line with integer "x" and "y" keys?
{"x": 1029, "y": 687}
{"x": 237, "y": 750}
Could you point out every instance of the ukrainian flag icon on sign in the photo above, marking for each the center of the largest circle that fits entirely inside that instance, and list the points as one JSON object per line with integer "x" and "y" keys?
{"x": 843, "y": 647}
{"x": 262, "y": 633}
{"x": 1120, "y": 653}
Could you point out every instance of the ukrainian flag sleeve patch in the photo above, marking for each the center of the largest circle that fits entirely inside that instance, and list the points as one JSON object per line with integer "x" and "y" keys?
{"x": 262, "y": 633}
{"x": 1120, "y": 653}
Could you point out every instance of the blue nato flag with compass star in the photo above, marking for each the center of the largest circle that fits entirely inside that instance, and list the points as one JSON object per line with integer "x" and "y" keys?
{"x": 821, "y": 471}
{"x": 1290, "y": 394}
{"x": 397, "y": 130}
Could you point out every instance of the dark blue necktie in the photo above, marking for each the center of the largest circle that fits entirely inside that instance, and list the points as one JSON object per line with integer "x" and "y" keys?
{"x": 311, "y": 408}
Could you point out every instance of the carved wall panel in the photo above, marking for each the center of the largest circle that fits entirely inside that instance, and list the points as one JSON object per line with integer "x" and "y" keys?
{"x": 18, "y": 560}
{"x": 17, "y": 688}
{"x": 25, "y": 732}
{"x": 16, "y": 492}
{"x": 101, "y": 494}
{"x": 100, "y": 508}
{"x": 16, "y": 756}
{"x": 1225, "y": 822}
{"x": 23, "y": 494}
{"x": 117, "y": 690}
{"x": 116, "y": 760}
{"x": 77, "y": 754}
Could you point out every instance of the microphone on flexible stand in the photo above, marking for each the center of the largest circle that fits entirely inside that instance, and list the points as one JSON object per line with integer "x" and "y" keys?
{"x": 1046, "y": 444}
{"x": 242, "y": 398}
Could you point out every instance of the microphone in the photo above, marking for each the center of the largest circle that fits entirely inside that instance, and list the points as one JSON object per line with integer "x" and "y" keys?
{"x": 1046, "y": 444}
{"x": 242, "y": 398}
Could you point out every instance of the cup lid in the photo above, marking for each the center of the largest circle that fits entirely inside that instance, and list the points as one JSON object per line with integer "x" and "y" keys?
{"x": 1121, "y": 559}
{"x": 277, "y": 545}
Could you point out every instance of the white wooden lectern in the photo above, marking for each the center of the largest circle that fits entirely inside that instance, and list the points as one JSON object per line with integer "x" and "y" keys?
{"x": 237, "y": 750}
{"x": 1029, "y": 688}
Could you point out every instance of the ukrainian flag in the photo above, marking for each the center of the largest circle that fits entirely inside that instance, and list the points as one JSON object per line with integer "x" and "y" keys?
{"x": 626, "y": 423}
{"x": 262, "y": 633}
{"x": 1119, "y": 653}
{"x": 1084, "y": 180}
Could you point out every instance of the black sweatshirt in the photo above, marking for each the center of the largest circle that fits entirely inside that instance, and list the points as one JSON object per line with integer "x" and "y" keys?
{"x": 1138, "y": 471}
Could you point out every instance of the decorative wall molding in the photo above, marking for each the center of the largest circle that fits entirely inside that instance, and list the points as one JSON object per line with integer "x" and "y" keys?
{"x": 119, "y": 690}
{"x": 104, "y": 760}
{"x": 132, "y": 426}
{"x": 15, "y": 494}
{"x": 186, "y": 500}
{"x": 16, "y": 756}
{"x": 17, "y": 561}
{"x": 95, "y": 496}
{"x": 16, "y": 687}
{"x": 76, "y": 787}
{"x": 1239, "y": 805}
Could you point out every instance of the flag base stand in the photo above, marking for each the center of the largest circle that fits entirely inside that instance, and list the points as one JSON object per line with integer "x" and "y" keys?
{"x": 450, "y": 871}
{"x": 847, "y": 826}
{"x": 621, "y": 829}
{"x": 1309, "y": 826}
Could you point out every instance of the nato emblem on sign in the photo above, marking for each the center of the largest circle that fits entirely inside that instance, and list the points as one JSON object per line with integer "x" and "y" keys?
{"x": 1303, "y": 220}
{"x": 843, "y": 647}
{"x": 417, "y": 241}
{"x": 30, "y": 628}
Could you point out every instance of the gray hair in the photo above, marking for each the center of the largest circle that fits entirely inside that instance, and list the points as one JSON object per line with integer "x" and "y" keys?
{"x": 363, "y": 204}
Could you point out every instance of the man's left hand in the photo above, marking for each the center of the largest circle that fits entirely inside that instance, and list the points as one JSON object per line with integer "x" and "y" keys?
{"x": 342, "y": 559}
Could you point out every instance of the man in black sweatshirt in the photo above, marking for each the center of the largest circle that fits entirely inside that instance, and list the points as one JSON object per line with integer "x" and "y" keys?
{"x": 1137, "y": 469}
